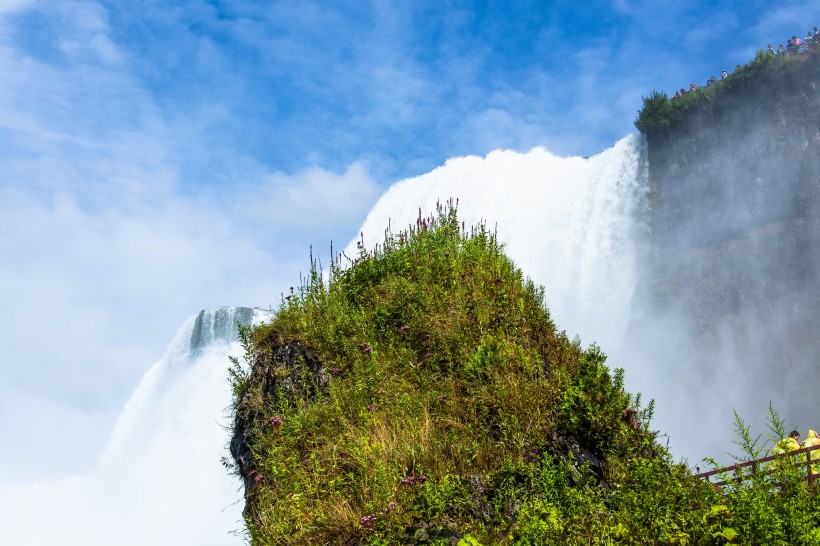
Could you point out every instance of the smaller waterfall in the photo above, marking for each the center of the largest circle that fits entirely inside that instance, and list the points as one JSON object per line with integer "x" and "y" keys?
{"x": 160, "y": 480}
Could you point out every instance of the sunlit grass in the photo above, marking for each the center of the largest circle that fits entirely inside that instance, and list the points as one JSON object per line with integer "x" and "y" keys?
{"x": 420, "y": 401}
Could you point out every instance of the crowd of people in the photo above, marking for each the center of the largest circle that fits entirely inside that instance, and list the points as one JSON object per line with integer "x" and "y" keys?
{"x": 793, "y": 46}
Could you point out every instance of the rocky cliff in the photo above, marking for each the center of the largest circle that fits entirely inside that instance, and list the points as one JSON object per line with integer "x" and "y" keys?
{"x": 735, "y": 232}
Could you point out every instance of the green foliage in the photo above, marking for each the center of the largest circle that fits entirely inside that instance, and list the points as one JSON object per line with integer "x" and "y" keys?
{"x": 660, "y": 113}
{"x": 441, "y": 380}
{"x": 599, "y": 412}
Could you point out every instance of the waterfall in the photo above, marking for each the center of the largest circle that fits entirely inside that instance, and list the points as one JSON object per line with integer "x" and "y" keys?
{"x": 160, "y": 480}
{"x": 572, "y": 224}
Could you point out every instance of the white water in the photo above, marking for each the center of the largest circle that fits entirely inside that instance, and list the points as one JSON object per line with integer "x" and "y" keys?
{"x": 571, "y": 224}
{"x": 160, "y": 481}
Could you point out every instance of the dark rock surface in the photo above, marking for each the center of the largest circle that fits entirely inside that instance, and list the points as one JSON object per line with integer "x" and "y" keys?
{"x": 291, "y": 371}
{"x": 735, "y": 232}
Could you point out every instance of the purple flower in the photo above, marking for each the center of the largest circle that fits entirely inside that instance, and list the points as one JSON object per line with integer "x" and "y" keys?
{"x": 413, "y": 480}
{"x": 442, "y": 399}
{"x": 371, "y": 408}
{"x": 276, "y": 421}
{"x": 368, "y": 522}
{"x": 404, "y": 328}
{"x": 335, "y": 371}
{"x": 368, "y": 350}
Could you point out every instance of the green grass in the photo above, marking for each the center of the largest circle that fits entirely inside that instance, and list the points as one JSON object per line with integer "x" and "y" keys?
{"x": 431, "y": 386}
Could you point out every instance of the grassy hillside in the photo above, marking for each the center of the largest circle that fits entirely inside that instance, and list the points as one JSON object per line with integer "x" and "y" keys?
{"x": 424, "y": 396}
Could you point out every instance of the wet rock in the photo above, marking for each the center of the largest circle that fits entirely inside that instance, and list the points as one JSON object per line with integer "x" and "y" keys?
{"x": 569, "y": 451}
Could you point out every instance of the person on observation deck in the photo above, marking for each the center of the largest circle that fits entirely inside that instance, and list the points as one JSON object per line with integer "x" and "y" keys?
{"x": 813, "y": 440}
{"x": 789, "y": 443}
{"x": 786, "y": 445}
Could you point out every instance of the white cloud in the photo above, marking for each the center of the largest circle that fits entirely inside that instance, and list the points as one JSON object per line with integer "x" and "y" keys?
{"x": 107, "y": 246}
{"x": 8, "y": 6}
{"x": 309, "y": 199}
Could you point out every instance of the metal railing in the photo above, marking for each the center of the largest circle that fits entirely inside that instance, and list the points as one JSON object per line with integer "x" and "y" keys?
{"x": 783, "y": 458}
{"x": 805, "y": 45}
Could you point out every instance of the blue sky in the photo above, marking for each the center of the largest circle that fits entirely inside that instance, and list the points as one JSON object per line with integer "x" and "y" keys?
{"x": 161, "y": 157}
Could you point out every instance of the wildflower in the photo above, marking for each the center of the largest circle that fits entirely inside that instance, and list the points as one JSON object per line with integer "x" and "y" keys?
{"x": 428, "y": 355}
{"x": 628, "y": 415}
{"x": 442, "y": 399}
{"x": 368, "y": 350}
{"x": 371, "y": 408}
{"x": 536, "y": 451}
{"x": 404, "y": 328}
{"x": 368, "y": 522}
{"x": 276, "y": 421}
{"x": 335, "y": 371}
{"x": 414, "y": 480}
{"x": 287, "y": 298}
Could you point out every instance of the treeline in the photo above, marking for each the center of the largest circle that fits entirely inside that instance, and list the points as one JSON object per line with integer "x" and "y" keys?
{"x": 661, "y": 113}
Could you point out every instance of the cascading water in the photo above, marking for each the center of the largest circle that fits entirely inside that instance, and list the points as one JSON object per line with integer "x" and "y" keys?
{"x": 571, "y": 224}
{"x": 160, "y": 480}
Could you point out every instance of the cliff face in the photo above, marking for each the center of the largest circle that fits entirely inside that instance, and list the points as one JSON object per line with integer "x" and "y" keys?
{"x": 735, "y": 223}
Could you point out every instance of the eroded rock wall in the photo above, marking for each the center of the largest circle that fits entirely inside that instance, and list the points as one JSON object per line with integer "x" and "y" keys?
{"x": 735, "y": 235}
